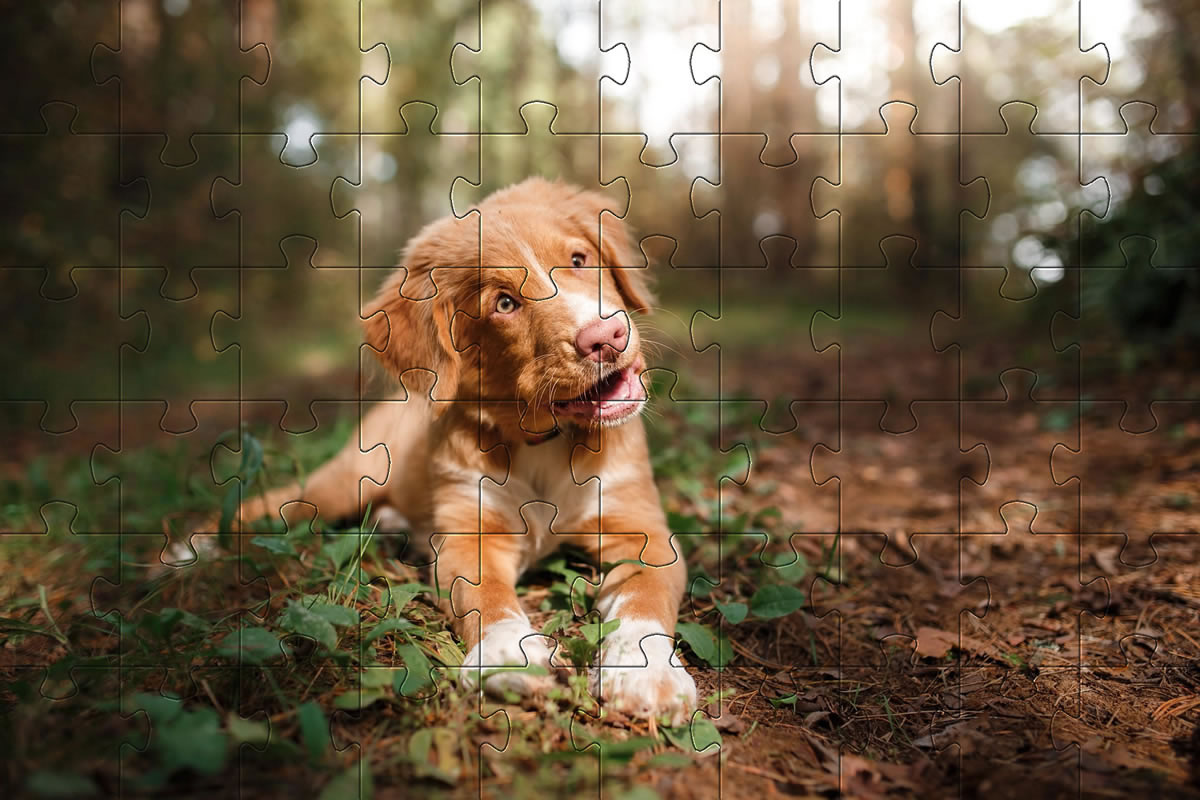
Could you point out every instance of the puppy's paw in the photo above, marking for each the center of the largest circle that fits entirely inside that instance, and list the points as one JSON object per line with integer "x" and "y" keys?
{"x": 511, "y": 657}
{"x": 640, "y": 675}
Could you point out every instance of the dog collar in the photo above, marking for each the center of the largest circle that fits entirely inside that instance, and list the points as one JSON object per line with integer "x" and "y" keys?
{"x": 532, "y": 439}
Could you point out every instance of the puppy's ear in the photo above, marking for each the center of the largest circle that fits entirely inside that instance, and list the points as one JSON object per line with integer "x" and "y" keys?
{"x": 413, "y": 334}
{"x": 614, "y": 240}
{"x": 409, "y": 323}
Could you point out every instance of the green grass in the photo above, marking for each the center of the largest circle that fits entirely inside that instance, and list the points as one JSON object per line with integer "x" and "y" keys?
{"x": 263, "y": 659}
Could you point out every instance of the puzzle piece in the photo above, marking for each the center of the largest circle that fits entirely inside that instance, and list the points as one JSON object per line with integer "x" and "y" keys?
{"x": 863, "y": 440}
{"x": 1110, "y": 457}
{"x": 178, "y": 232}
{"x": 1058, "y": 604}
{"x": 868, "y": 216}
{"x": 931, "y": 568}
{"x": 360, "y": 470}
{"x": 1138, "y": 70}
{"x": 1121, "y": 632}
{"x": 507, "y": 160}
{"x": 468, "y": 591}
{"x": 1020, "y": 433}
{"x": 399, "y": 313}
{"x": 194, "y": 490}
{"x": 35, "y": 637}
{"x": 179, "y": 335}
{"x": 990, "y": 35}
{"x": 746, "y": 226}
{"x": 859, "y": 313}
{"x": 88, "y": 507}
{"x": 656, "y": 205}
{"x": 817, "y": 422}
{"x": 577, "y": 98}
{"x": 867, "y": 65}
{"x": 417, "y": 38}
{"x": 1152, "y": 207}
{"x": 758, "y": 58}
{"x": 262, "y": 289}
{"x": 1091, "y": 334}
{"x": 660, "y": 42}
{"x": 403, "y": 157}
{"x": 990, "y": 302}
{"x": 264, "y": 174}
{"x": 53, "y": 50}
{"x": 208, "y": 103}
{"x": 303, "y": 58}
{"x": 70, "y": 219}
{"x": 818, "y": 290}
{"x": 43, "y": 381}
{"x": 1045, "y": 201}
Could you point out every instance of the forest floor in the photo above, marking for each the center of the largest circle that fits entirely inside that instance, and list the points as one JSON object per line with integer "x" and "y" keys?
{"x": 955, "y": 639}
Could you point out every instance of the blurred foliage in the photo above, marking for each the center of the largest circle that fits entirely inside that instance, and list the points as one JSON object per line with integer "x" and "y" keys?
{"x": 1154, "y": 302}
{"x": 335, "y": 145}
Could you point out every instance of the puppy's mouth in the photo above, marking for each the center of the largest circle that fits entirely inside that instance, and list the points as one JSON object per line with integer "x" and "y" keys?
{"x": 615, "y": 397}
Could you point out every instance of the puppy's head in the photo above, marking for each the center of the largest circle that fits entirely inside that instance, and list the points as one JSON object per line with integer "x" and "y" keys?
{"x": 530, "y": 281}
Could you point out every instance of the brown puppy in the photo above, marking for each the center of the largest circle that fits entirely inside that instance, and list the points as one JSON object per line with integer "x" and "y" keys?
{"x": 530, "y": 338}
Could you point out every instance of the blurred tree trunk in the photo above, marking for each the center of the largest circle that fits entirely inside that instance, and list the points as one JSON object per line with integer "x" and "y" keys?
{"x": 801, "y": 106}
{"x": 904, "y": 183}
{"x": 1184, "y": 27}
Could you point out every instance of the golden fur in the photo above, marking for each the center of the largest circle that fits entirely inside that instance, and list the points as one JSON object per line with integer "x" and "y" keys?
{"x": 499, "y": 450}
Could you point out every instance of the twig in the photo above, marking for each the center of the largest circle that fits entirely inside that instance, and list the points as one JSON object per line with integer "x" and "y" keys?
{"x": 762, "y": 773}
{"x": 62, "y": 637}
{"x": 772, "y": 664}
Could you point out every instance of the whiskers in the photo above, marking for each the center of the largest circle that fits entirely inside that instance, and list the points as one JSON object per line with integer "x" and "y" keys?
{"x": 654, "y": 347}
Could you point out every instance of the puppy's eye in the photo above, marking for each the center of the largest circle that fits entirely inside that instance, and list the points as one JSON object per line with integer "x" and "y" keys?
{"x": 578, "y": 259}
{"x": 505, "y": 304}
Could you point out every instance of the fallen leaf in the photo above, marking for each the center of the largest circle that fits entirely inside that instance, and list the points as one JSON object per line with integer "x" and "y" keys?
{"x": 934, "y": 642}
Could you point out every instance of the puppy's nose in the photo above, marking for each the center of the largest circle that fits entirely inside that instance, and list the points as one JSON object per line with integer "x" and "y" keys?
{"x": 603, "y": 339}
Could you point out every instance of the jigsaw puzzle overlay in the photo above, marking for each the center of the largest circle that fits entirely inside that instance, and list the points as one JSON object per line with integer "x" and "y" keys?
{"x": 924, "y": 399}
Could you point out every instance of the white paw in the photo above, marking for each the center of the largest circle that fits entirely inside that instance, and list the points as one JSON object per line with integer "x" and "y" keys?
{"x": 511, "y": 643}
{"x": 386, "y": 519}
{"x": 640, "y": 675}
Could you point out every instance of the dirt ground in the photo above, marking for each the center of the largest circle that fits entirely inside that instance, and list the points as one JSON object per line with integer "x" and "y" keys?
{"x": 999, "y": 652}
{"x": 962, "y": 637}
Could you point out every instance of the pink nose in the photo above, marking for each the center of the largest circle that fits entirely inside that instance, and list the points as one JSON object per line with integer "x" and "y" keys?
{"x": 603, "y": 339}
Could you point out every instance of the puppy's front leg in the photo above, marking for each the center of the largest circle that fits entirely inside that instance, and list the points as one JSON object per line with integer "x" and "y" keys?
{"x": 638, "y": 672}
{"x": 476, "y": 575}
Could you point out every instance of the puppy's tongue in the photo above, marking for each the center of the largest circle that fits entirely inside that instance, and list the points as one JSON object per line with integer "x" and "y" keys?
{"x": 615, "y": 396}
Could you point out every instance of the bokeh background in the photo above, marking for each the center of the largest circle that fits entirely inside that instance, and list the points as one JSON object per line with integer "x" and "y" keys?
{"x": 244, "y": 124}
{"x": 883, "y": 232}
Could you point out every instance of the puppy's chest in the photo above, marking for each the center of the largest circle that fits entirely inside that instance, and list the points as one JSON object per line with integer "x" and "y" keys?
{"x": 542, "y": 490}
